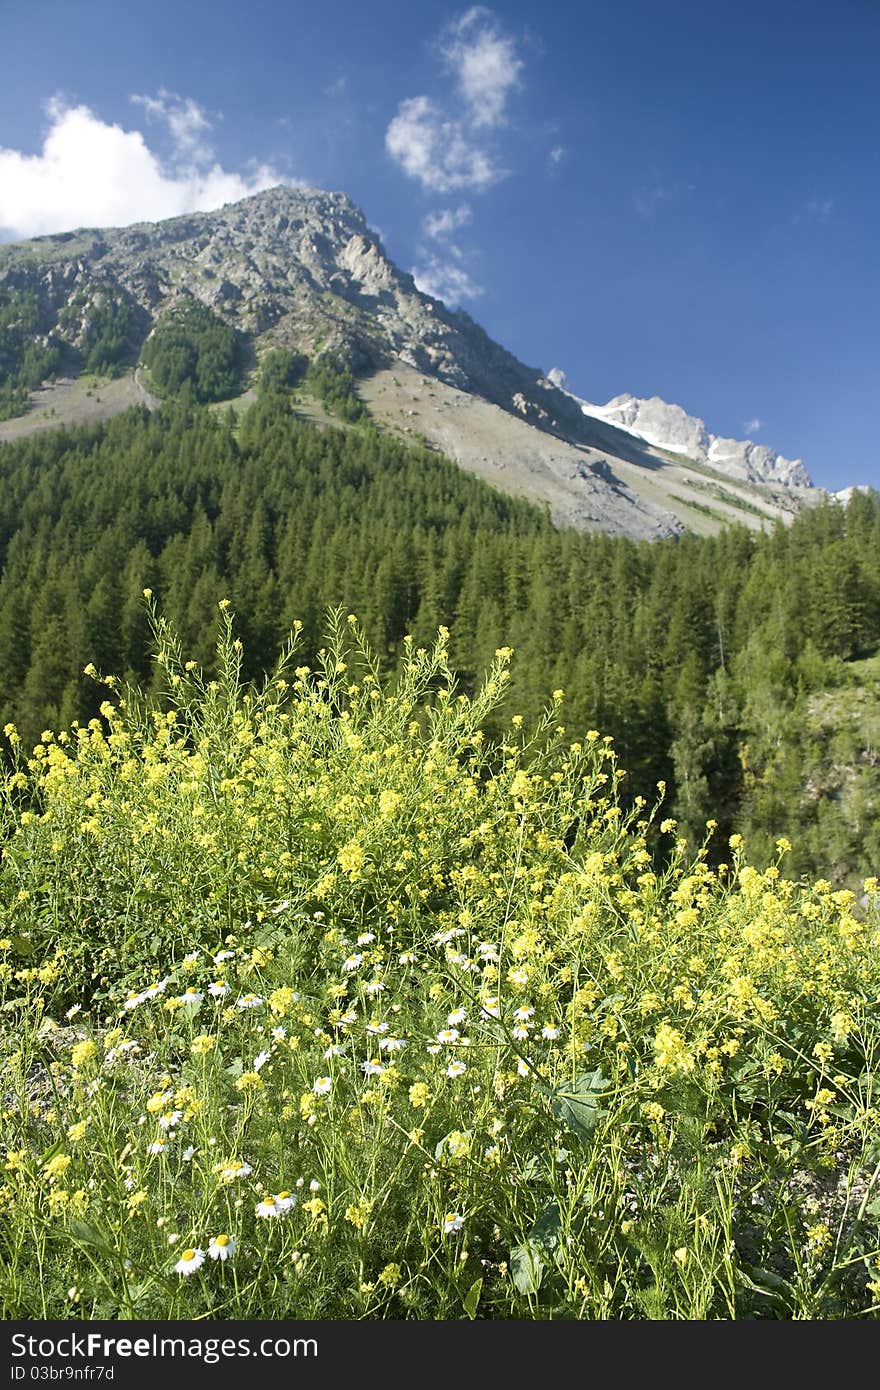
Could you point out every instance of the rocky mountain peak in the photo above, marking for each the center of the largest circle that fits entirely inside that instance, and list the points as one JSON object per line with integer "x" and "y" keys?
{"x": 301, "y": 268}
{"x": 671, "y": 428}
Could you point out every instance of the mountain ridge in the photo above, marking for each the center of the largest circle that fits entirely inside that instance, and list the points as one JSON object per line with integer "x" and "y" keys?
{"x": 669, "y": 426}
{"x": 302, "y": 269}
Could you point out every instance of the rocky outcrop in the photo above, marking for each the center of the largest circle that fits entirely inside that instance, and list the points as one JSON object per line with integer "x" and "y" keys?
{"x": 670, "y": 427}
{"x": 302, "y": 269}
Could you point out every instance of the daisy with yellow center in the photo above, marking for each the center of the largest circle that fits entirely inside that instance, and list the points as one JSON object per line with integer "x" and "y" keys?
{"x": 222, "y": 1247}
{"x": 189, "y": 1262}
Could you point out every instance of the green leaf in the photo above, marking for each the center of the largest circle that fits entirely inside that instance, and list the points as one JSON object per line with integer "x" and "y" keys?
{"x": 88, "y": 1235}
{"x": 527, "y": 1266}
{"x": 529, "y": 1261}
{"x": 52, "y": 1150}
{"x": 578, "y": 1105}
{"x": 472, "y": 1298}
{"x": 773, "y": 1287}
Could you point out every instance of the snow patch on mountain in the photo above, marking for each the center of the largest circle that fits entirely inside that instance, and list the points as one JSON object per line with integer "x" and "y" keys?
{"x": 670, "y": 427}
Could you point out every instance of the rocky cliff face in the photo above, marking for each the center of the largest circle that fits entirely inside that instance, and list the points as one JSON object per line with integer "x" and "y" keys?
{"x": 670, "y": 427}
{"x": 302, "y": 269}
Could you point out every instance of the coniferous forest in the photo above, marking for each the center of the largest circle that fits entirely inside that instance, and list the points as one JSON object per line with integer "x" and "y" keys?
{"x": 738, "y": 670}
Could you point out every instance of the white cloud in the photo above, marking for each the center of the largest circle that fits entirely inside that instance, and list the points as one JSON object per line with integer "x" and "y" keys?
{"x": 485, "y": 65}
{"x": 556, "y": 155}
{"x": 446, "y": 221}
{"x": 447, "y": 145}
{"x": 95, "y": 174}
{"x": 437, "y": 151}
{"x": 446, "y": 280}
{"x": 751, "y": 427}
{"x": 186, "y": 121}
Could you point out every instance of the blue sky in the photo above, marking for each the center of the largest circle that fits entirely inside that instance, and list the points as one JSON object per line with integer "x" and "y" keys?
{"x": 677, "y": 199}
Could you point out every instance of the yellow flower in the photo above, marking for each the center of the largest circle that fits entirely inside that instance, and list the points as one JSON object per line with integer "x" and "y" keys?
{"x": 82, "y": 1052}
{"x": 419, "y": 1094}
{"x": 351, "y": 859}
{"x": 818, "y": 1237}
{"x": 670, "y": 1051}
{"x": 841, "y": 1025}
{"x": 358, "y": 1214}
{"x": 57, "y": 1166}
{"x": 202, "y": 1045}
{"x": 282, "y": 1000}
{"x": 249, "y": 1081}
{"x": 316, "y": 1209}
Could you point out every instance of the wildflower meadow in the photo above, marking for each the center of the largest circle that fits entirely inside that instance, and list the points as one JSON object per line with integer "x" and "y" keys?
{"x": 319, "y": 1003}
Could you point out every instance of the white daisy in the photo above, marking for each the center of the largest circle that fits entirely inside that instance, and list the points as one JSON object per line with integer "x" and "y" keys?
{"x": 524, "y": 1012}
{"x": 189, "y": 1262}
{"x": 235, "y": 1170}
{"x": 170, "y": 1119}
{"x": 221, "y": 956}
{"x": 248, "y": 1001}
{"x": 261, "y": 1059}
{"x": 448, "y": 1035}
{"x": 452, "y": 1222}
{"x": 158, "y": 988}
{"x": 222, "y": 1247}
{"x": 365, "y": 938}
{"x": 458, "y": 958}
{"x": 456, "y": 1068}
{"x": 375, "y": 987}
{"x": 457, "y": 1016}
{"x": 442, "y": 937}
{"x": 322, "y": 1086}
{"x": 392, "y": 1044}
{"x": 353, "y": 962}
{"x": 550, "y": 1032}
{"x": 218, "y": 988}
{"x": 372, "y": 1068}
{"x": 279, "y": 1205}
{"x": 520, "y": 1032}
{"x": 407, "y": 958}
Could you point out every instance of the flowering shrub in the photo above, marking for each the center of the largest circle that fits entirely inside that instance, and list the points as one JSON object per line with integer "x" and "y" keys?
{"x": 324, "y": 1006}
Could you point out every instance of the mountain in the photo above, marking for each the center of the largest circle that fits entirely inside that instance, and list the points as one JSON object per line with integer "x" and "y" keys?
{"x": 670, "y": 427}
{"x": 302, "y": 270}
